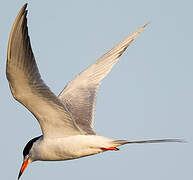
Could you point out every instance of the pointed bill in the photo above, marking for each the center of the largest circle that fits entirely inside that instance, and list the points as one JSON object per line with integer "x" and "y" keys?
{"x": 24, "y": 166}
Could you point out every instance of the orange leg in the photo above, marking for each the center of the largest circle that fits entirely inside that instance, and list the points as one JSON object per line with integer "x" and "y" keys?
{"x": 110, "y": 148}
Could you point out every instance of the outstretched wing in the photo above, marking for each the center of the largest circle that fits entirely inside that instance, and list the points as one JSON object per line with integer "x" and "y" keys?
{"x": 80, "y": 94}
{"x": 29, "y": 89}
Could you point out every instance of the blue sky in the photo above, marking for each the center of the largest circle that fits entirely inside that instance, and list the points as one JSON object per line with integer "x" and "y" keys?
{"x": 147, "y": 95}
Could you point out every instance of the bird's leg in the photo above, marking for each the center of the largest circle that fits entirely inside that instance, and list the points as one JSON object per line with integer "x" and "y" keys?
{"x": 110, "y": 148}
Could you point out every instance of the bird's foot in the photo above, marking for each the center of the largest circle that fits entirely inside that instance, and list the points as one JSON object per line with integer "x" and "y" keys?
{"x": 110, "y": 148}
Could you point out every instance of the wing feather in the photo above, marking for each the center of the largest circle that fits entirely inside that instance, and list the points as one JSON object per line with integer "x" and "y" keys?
{"x": 80, "y": 94}
{"x": 29, "y": 89}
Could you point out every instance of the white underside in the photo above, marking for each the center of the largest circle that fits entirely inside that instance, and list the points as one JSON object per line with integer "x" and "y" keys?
{"x": 70, "y": 147}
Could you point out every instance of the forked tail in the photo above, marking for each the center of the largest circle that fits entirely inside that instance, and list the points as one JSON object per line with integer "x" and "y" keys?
{"x": 122, "y": 142}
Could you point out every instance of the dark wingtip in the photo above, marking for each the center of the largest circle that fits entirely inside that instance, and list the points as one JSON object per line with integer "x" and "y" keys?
{"x": 23, "y": 9}
{"x": 25, "y": 5}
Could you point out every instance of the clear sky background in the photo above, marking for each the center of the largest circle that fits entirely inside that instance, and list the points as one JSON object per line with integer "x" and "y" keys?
{"x": 147, "y": 95}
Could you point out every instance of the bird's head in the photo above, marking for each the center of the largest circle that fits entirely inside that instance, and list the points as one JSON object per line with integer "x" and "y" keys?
{"x": 27, "y": 159}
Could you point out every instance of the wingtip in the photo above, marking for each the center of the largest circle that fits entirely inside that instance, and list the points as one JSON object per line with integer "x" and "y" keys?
{"x": 25, "y": 5}
{"x": 146, "y": 24}
{"x": 137, "y": 32}
{"x": 22, "y": 11}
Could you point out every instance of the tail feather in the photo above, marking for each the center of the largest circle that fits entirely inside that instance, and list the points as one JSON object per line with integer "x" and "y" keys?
{"x": 122, "y": 142}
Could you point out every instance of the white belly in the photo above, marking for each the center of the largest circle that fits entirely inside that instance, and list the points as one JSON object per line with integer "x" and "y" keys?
{"x": 69, "y": 147}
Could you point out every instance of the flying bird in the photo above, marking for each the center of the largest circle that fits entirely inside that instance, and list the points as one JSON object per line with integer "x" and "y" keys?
{"x": 66, "y": 120}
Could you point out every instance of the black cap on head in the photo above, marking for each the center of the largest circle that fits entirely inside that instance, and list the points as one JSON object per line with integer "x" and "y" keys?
{"x": 29, "y": 146}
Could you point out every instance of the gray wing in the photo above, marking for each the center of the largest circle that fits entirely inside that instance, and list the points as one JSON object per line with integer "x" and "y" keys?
{"x": 28, "y": 88}
{"x": 80, "y": 94}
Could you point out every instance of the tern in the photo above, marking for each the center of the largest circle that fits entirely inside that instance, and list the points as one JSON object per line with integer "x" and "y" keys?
{"x": 66, "y": 120}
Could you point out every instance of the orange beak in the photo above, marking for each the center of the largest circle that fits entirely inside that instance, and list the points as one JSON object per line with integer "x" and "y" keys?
{"x": 23, "y": 167}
